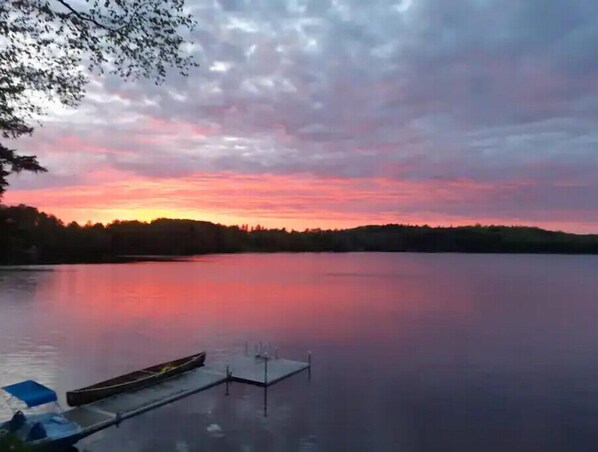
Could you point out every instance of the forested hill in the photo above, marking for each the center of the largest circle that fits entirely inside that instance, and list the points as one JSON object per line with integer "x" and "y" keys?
{"x": 27, "y": 235}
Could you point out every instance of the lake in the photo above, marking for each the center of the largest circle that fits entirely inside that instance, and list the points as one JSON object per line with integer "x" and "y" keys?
{"x": 411, "y": 352}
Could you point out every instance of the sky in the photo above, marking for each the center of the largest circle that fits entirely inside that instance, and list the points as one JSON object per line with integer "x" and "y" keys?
{"x": 332, "y": 113}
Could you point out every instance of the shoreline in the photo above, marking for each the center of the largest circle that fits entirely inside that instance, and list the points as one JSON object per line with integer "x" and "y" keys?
{"x": 132, "y": 259}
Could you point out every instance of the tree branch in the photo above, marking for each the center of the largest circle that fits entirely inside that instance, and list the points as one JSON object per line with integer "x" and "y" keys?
{"x": 83, "y": 16}
{"x": 88, "y": 18}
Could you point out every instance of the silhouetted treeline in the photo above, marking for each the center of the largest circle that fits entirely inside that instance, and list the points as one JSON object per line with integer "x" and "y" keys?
{"x": 27, "y": 235}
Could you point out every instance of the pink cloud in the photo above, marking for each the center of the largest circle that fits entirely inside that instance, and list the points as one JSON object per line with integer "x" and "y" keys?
{"x": 299, "y": 201}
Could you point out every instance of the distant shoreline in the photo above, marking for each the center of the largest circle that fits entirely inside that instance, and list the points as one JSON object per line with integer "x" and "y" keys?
{"x": 115, "y": 260}
{"x": 28, "y": 236}
{"x": 25, "y": 266}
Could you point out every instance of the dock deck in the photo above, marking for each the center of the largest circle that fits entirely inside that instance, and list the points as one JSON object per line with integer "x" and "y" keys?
{"x": 250, "y": 370}
{"x": 102, "y": 414}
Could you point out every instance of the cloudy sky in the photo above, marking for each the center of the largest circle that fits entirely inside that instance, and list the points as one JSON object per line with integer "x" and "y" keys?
{"x": 335, "y": 113}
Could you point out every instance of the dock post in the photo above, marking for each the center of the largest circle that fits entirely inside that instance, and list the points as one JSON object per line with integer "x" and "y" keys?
{"x": 266, "y": 386}
{"x": 265, "y": 401}
{"x": 266, "y": 370}
{"x": 275, "y": 352}
{"x": 227, "y": 379}
{"x": 309, "y": 366}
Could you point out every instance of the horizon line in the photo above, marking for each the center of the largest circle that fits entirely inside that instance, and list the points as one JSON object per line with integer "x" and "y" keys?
{"x": 252, "y": 227}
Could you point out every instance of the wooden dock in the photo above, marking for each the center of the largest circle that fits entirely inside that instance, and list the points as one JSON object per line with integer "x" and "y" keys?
{"x": 258, "y": 371}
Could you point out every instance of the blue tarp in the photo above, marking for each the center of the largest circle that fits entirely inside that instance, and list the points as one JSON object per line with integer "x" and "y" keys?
{"x": 31, "y": 392}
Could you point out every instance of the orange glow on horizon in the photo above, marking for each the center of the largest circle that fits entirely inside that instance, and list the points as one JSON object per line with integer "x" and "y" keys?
{"x": 296, "y": 202}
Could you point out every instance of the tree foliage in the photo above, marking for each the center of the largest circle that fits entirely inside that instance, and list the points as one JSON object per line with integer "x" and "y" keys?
{"x": 27, "y": 236}
{"x": 48, "y": 47}
{"x": 9, "y": 442}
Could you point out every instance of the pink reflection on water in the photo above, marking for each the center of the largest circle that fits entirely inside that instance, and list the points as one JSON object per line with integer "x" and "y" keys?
{"x": 308, "y": 297}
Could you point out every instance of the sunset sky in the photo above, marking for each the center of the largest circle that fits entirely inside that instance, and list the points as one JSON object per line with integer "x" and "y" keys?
{"x": 338, "y": 113}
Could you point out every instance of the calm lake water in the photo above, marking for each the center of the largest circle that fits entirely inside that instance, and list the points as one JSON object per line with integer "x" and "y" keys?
{"x": 412, "y": 352}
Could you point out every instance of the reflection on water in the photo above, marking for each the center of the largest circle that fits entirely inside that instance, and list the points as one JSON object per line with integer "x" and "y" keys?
{"x": 411, "y": 352}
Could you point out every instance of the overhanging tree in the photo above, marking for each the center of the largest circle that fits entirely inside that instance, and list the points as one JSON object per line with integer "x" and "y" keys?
{"x": 48, "y": 48}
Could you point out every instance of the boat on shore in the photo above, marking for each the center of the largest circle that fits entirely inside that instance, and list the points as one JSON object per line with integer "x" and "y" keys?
{"x": 134, "y": 380}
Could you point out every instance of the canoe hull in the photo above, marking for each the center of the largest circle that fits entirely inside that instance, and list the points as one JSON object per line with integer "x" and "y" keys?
{"x": 134, "y": 380}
